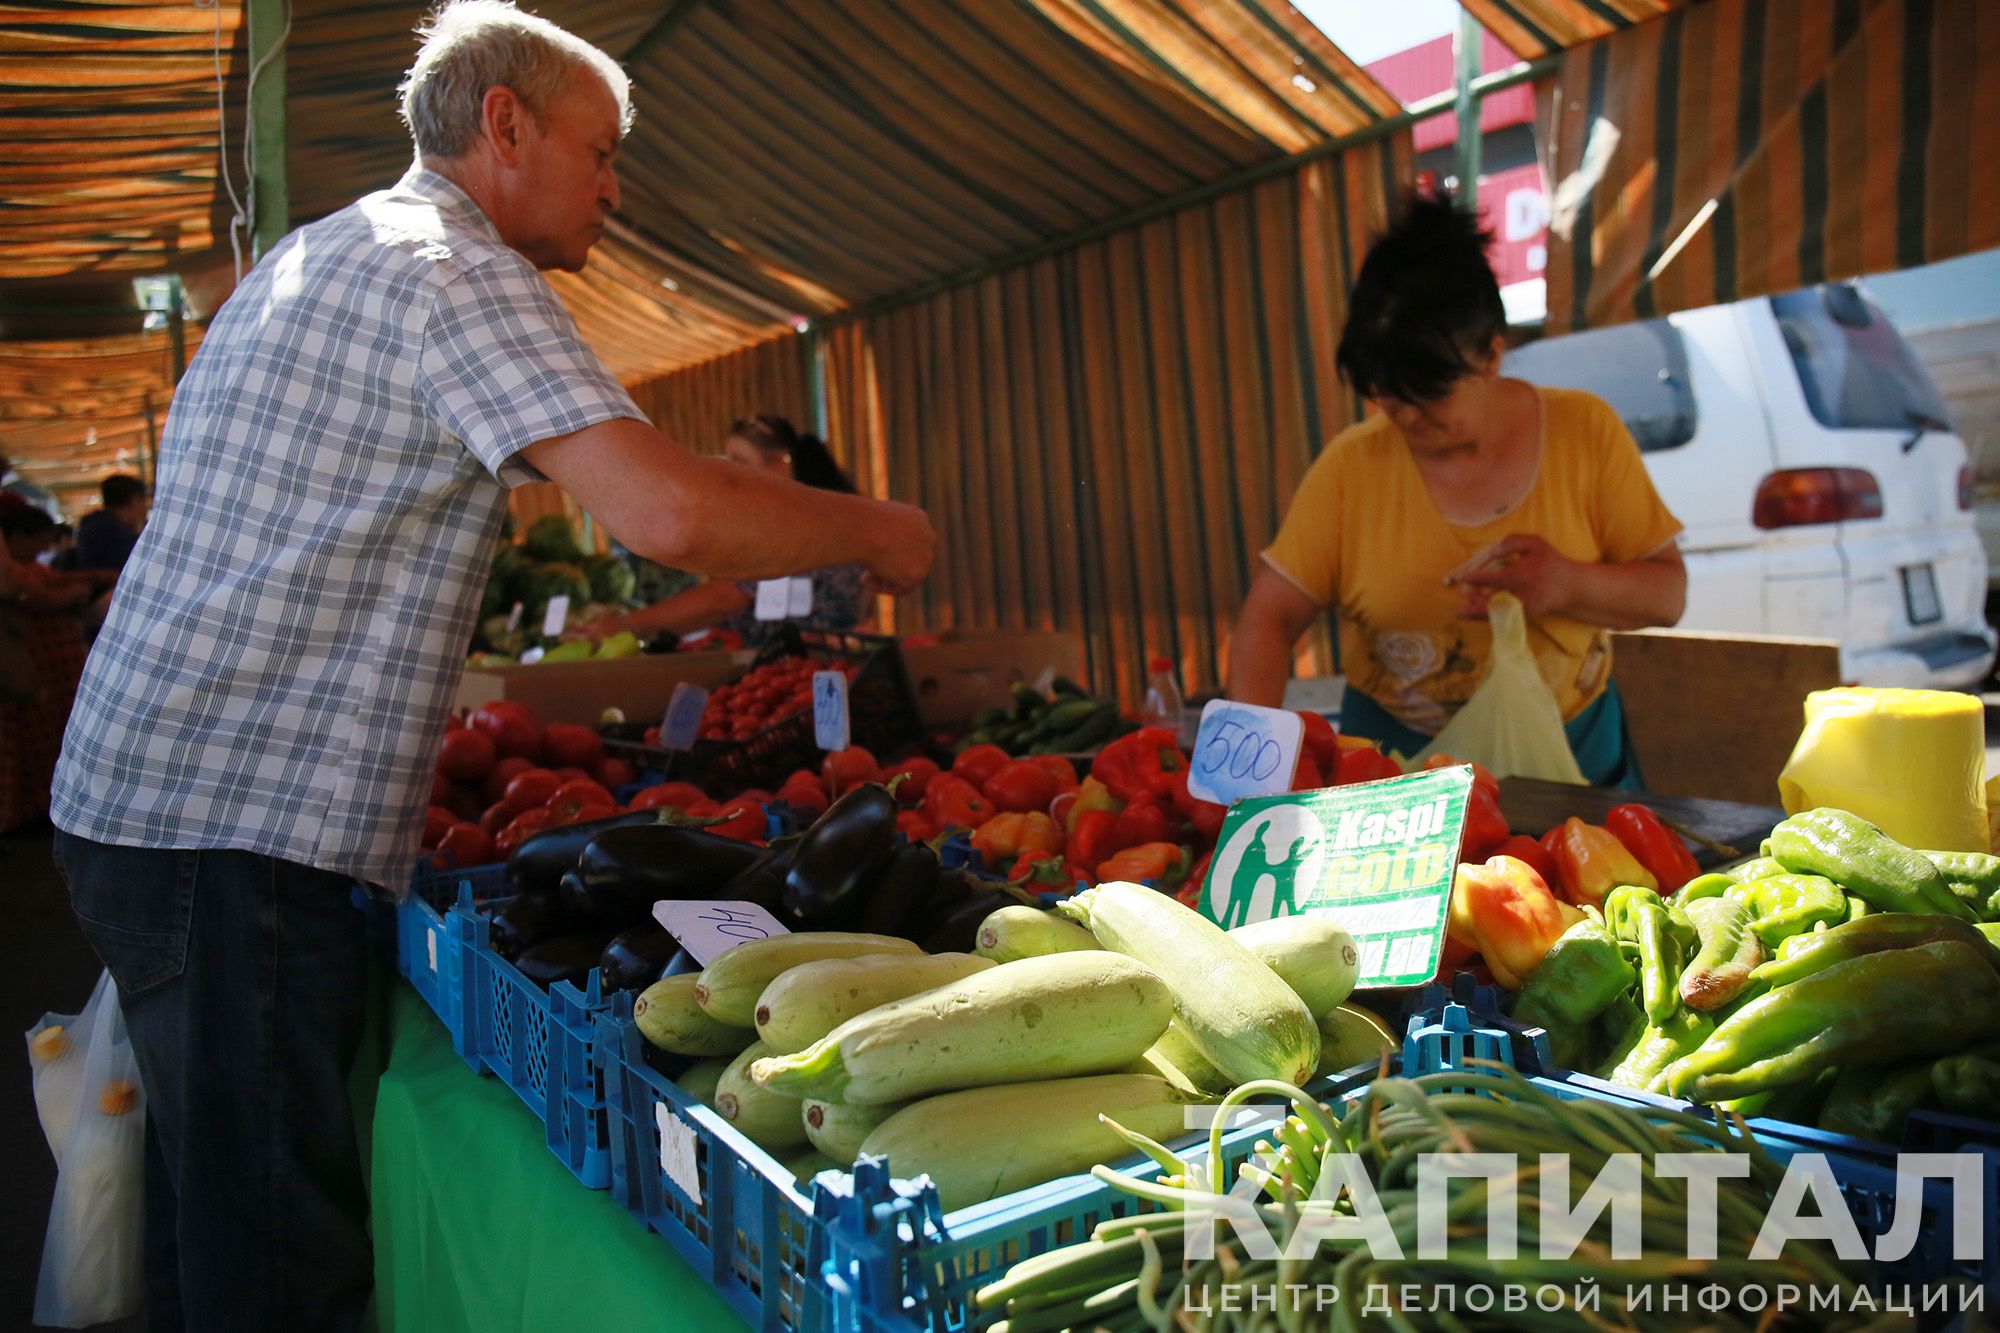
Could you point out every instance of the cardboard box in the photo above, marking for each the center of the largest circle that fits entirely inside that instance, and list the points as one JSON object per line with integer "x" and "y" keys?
{"x": 967, "y": 671}
{"x": 580, "y": 691}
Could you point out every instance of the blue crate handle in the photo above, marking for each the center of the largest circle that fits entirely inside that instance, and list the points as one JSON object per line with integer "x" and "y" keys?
{"x": 862, "y": 1215}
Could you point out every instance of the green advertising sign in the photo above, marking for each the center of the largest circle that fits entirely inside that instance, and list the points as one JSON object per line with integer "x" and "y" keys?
{"x": 1377, "y": 858}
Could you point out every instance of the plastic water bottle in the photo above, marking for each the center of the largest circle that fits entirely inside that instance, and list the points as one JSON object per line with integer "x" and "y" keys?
{"x": 1163, "y": 697}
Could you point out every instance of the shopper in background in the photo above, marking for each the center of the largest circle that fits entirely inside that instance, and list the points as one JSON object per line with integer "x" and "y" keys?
{"x": 12, "y": 482}
{"x": 258, "y": 721}
{"x": 1463, "y": 483}
{"x": 771, "y": 444}
{"x": 42, "y": 610}
{"x": 106, "y": 535}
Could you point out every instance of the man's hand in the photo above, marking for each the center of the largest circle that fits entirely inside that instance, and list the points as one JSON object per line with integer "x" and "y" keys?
{"x": 906, "y": 545}
{"x": 1543, "y": 578}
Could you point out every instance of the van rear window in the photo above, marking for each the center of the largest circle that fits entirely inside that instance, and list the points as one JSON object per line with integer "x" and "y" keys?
{"x": 1640, "y": 369}
{"x": 1855, "y": 369}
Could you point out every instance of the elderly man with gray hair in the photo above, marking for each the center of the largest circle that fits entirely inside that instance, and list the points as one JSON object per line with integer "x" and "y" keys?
{"x": 257, "y": 724}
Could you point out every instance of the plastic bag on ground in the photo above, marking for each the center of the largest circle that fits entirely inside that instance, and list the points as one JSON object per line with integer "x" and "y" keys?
{"x": 93, "y": 1112}
{"x": 1511, "y": 724}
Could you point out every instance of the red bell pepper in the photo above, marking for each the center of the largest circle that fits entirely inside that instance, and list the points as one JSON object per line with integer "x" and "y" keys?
{"x": 1006, "y": 838}
{"x": 979, "y": 763}
{"x": 1551, "y": 845}
{"x": 1020, "y": 785}
{"x": 1485, "y": 826}
{"x": 1205, "y": 816}
{"x": 1047, "y": 871}
{"x": 1144, "y": 761}
{"x": 1657, "y": 847}
{"x": 1594, "y": 863}
{"x": 1091, "y": 795}
{"x": 1166, "y": 864}
{"x": 1141, "y": 821}
{"x": 1057, "y": 767}
{"x": 952, "y": 802}
{"x": 1364, "y": 763}
{"x": 1307, "y": 775}
{"x": 912, "y": 825}
{"x": 1505, "y": 911}
{"x": 1524, "y": 848}
{"x": 1189, "y": 893}
{"x": 1319, "y": 739}
{"x": 1091, "y": 838}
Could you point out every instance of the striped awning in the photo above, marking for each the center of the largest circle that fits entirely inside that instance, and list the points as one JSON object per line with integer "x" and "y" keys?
{"x": 1533, "y": 28}
{"x": 70, "y": 412}
{"x": 1744, "y": 147}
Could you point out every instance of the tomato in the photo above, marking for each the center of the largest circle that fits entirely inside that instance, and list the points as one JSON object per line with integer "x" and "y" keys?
{"x": 652, "y": 736}
{"x": 569, "y": 745}
{"x": 443, "y": 789}
{"x": 587, "y": 790}
{"x": 980, "y": 763}
{"x": 466, "y": 845}
{"x": 466, "y": 755}
{"x": 844, "y": 770}
{"x": 511, "y": 725}
{"x": 1059, "y": 768}
{"x": 1020, "y": 786}
{"x": 916, "y": 775}
{"x": 679, "y": 795}
{"x": 912, "y": 825}
{"x": 803, "y": 792}
{"x": 952, "y": 802}
{"x": 574, "y": 775}
{"x": 746, "y": 822}
{"x": 522, "y": 827}
{"x": 436, "y": 820}
{"x": 503, "y": 773}
{"x": 579, "y": 811}
{"x": 530, "y": 788}
{"x": 497, "y": 816}
{"x": 614, "y": 772}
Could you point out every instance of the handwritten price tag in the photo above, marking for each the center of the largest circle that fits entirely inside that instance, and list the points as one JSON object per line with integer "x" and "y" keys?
{"x": 556, "y": 616}
{"x": 709, "y": 929}
{"x": 683, "y": 716}
{"x": 1244, "y": 750}
{"x": 774, "y": 599}
{"x": 830, "y": 728}
{"x": 678, "y": 1152}
{"x": 799, "y": 601}
{"x": 514, "y": 618}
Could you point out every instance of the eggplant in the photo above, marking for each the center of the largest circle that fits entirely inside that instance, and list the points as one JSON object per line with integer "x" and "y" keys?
{"x": 523, "y": 921}
{"x": 957, "y": 930}
{"x": 901, "y": 894}
{"x": 562, "y": 958}
{"x": 622, "y": 872}
{"x": 540, "y": 861}
{"x": 763, "y": 881}
{"x": 838, "y": 856}
{"x": 636, "y": 958}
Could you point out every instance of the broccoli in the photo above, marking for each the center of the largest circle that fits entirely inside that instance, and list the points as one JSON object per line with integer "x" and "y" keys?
{"x": 611, "y": 579}
{"x": 550, "y": 537}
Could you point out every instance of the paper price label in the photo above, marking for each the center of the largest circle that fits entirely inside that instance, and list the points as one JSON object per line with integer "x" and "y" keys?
{"x": 708, "y": 929}
{"x": 799, "y": 601}
{"x": 431, "y": 947}
{"x": 682, "y": 721}
{"x": 1242, "y": 750}
{"x": 514, "y": 617}
{"x": 677, "y": 1152}
{"x": 774, "y": 599}
{"x": 1377, "y": 858}
{"x": 830, "y": 729}
{"x": 556, "y": 616}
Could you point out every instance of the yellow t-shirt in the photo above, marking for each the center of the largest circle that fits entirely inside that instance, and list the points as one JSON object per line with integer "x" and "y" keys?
{"x": 1364, "y": 538}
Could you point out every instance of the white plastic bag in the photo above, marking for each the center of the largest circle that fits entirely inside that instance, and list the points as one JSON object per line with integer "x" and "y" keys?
{"x": 93, "y": 1111}
{"x": 1511, "y": 724}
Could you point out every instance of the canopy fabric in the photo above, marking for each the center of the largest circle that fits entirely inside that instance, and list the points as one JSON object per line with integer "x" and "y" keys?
{"x": 1532, "y": 28}
{"x": 701, "y": 402}
{"x": 46, "y": 389}
{"x": 1106, "y": 438}
{"x": 1745, "y": 147}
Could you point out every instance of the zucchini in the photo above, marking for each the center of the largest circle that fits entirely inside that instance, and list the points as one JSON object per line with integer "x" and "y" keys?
{"x": 1310, "y": 953}
{"x": 1175, "y": 1058}
{"x": 1018, "y": 932}
{"x": 986, "y": 1142}
{"x": 1238, "y": 1012}
{"x": 699, "y": 1080}
{"x": 772, "y": 1120}
{"x": 837, "y": 1128}
{"x": 1350, "y": 1036}
{"x": 669, "y": 1018}
{"x": 806, "y": 1002}
{"x": 728, "y": 987}
{"x": 1068, "y": 1013}
{"x": 809, "y": 1164}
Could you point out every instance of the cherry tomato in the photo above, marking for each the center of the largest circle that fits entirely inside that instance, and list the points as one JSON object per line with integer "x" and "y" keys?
{"x": 530, "y": 788}
{"x": 511, "y": 725}
{"x": 466, "y": 844}
{"x": 467, "y": 755}
{"x": 436, "y": 820}
{"x": 571, "y": 746}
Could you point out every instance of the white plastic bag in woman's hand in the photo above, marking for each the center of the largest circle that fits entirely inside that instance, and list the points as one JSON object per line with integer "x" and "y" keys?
{"x": 94, "y": 1113}
{"x": 1511, "y": 723}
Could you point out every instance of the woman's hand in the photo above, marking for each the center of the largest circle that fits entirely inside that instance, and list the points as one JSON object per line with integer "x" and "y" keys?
{"x": 1638, "y": 593}
{"x": 597, "y": 628}
{"x": 1526, "y": 565}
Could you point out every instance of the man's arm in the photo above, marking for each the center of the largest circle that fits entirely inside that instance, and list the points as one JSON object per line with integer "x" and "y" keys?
{"x": 710, "y": 516}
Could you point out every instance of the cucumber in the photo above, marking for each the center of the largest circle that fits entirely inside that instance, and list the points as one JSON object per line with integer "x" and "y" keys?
{"x": 668, "y": 1017}
{"x": 1175, "y": 1058}
{"x": 1350, "y": 1036}
{"x": 986, "y": 1142}
{"x": 809, "y": 1164}
{"x": 1237, "y": 1011}
{"x": 728, "y": 987}
{"x": 1014, "y": 933}
{"x": 772, "y": 1120}
{"x": 1310, "y": 953}
{"x": 1068, "y": 1013}
{"x": 699, "y": 1079}
{"x": 837, "y": 1129}
{"x": 806, "y": 1002}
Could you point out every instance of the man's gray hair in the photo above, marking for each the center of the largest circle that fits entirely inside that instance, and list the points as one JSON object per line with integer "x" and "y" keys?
{"x": 470, "y": 46}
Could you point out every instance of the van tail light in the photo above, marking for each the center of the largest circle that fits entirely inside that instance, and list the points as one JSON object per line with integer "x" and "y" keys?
{"x": 1965, "y": 487}
{"x": 1797, "y": 497}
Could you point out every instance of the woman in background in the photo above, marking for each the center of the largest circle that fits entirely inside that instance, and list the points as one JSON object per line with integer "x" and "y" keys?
{"x": 46, "y": 604}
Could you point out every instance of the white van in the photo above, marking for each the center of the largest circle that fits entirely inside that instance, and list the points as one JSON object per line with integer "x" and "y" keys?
{"x": 1806, "y": 449}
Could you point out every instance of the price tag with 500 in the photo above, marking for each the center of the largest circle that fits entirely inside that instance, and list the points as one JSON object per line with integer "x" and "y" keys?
{"x": 1243, "y": 750}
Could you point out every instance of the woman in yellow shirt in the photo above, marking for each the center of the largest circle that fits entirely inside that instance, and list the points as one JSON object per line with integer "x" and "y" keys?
{"x": 1462, "y": 484}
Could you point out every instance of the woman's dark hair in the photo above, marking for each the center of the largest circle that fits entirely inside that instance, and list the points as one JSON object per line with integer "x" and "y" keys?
{"x": 24, "y": 521}
{"x": 1425, "y": 307}
{"x": 812, "y": 462}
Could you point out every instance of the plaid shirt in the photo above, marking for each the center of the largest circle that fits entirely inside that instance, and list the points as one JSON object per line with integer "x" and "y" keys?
{"x": 288, "y": 636}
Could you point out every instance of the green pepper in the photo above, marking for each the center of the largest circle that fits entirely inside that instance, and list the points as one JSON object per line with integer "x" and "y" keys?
{"x": 1864, "y": 860}
{"x": 1755, "y": 868}
{"x": 1870, "y": 1102}
{"x": 1991, "y": 912}
{"x": 1973, "y": 876}
{"x": 1870, "y": 1010}
{"x": 1706, "y": 886}
{"x": 1638, "y": 915}
{"x": 1803, "y": 955}
{"x": 1798, "y": 1103}
{"x": 1968, "y": 1083}
{"x": 1858, "y": 908}
{"x": 1580, "y": 977}
{"x": 1990, "y": 932}
{"x": 1729, "y": 952}
{"x": 1788, "y": 905}
{"x": 1659, "y": 1046}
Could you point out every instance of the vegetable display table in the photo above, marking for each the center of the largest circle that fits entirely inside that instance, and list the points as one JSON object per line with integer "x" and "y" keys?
{"x": 478, "y": 1227}
{"x": 1532, "y": 807}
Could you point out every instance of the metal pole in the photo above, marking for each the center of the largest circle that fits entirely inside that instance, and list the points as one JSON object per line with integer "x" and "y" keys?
{"x": 813, "y": 344}
{"x": 270, "y": 24}
{"x": 149, "y": 460}
{"x": 177, "y": 327}
{"x": 1466, "y": 105}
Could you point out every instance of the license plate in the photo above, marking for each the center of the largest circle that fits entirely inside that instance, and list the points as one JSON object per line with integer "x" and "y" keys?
{"x": 1920, "y": 594}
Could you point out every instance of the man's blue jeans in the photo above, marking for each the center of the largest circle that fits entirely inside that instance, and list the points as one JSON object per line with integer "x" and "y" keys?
{"x": 242, "y": 981}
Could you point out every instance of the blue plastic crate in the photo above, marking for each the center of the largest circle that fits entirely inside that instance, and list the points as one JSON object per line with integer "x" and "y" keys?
{"x": 428, "y": 951}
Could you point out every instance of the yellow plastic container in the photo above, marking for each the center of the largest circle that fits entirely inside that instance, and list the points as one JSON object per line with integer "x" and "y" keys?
{"x": 1912, "y": 762}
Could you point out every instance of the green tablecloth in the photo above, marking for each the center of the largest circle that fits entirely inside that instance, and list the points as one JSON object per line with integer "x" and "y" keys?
{"x": 479, "y": 1227}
